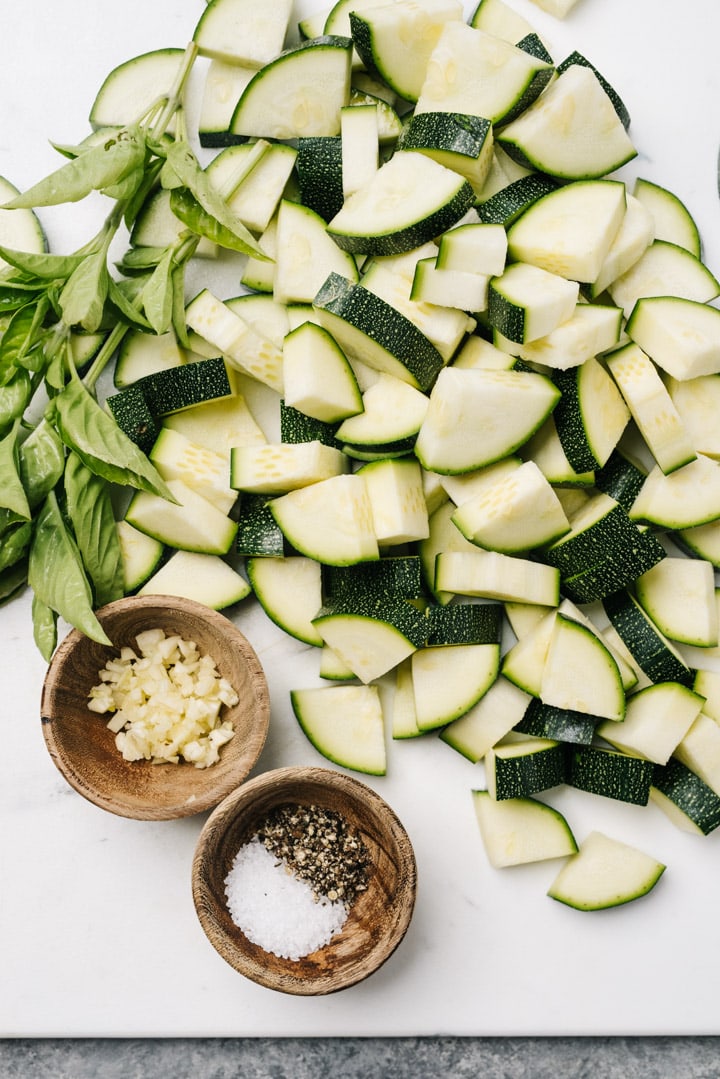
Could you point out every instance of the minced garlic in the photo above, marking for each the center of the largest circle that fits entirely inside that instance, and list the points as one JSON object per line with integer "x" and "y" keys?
{"x": 166, "y": 701}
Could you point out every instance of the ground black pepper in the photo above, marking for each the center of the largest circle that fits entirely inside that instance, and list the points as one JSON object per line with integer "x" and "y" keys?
{"x": 318, "y": 846}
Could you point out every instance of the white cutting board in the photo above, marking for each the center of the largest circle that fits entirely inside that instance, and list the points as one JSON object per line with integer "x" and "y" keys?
{"x": 98, "y": 935}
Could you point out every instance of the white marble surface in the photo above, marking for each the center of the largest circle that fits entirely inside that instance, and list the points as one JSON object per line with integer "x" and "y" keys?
{"x": 98, "y": 935}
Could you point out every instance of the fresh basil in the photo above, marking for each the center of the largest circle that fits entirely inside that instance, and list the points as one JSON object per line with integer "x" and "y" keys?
{"x": 91, "y": 514}
{"x": 12, "y": 492}
{"x": 56, "y": 574}
{"x": 101, "y": 445}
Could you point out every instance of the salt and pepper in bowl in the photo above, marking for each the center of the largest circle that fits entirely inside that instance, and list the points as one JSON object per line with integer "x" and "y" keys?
{"x": 304, "y": 880}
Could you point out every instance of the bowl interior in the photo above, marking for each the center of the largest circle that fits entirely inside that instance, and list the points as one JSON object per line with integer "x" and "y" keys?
{"x": 84, "y": 749}
{"x": 377, "y": 920}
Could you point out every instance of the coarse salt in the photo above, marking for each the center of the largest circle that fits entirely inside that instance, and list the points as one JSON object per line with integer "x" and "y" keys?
{"x": 277, "y": 910}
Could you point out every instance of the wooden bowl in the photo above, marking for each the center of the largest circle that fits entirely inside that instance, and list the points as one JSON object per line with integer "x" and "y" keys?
{"x": 83, "y": 748}
{"x": 378, "y": 919}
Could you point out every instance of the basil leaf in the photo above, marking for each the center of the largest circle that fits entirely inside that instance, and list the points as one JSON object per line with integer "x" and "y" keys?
{"x": 93, "y": 521}
{"x": 12, "y": 580}
{"x": 16, "y": 295}
{"x": 189, "y": 171}
{"x": 43, "y": 264}
{"x": 41, "y": 462}
{"x": 44, "y": 628}
{"x": 158, "y": 292}
{"x": 15, "y": 543}
{"x": 14, "y": 398}
{"x": 99, "y": 167}
{"x": 16, "y": 340}
{"x": 186, "y": 207}
{"x": 82, "y": 300}
{"x": 121, "y": 295}
{"x": 100, "y": 444}
{"x": 56, "y": 574}
{"x": 139, "y": 259}
{"x": 12, "y": 492}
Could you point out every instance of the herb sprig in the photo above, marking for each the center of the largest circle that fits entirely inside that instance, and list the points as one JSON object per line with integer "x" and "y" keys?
{"x": 57, "y": 528}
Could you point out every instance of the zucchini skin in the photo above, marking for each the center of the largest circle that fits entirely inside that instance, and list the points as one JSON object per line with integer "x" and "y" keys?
{"x": 560, "y": 724}
{"x": 646, "y": 643}
{"x": 610, "y": 774}
{"x": 689, "y": 793}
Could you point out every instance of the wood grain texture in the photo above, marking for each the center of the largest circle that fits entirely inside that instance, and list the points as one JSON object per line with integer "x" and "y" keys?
{"x": 83, "y": 748}
{"x": 377, "y": 920}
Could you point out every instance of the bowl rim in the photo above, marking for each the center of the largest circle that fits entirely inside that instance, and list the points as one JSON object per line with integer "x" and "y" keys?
{"x": 215, "y": 792}
{"x": 206, "y": 903}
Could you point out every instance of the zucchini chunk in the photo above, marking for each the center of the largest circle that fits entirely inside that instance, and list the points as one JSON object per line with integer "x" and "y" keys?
{"x": 650, "y": 649}
{"x": 673, "y": 220}
{"x": 497, "y": 576}
{"x": 306, "y": 255}
{"x": 410, "y": 199}
{"x": 141, "y": 555}
{"x": 395, "y": 40}
{"x": 571, "y": 131}
{"x": 610, "y": 774}
{"x": 241, "y": 31}
{"x": 191, "y": 523}
{"x": 605, "y": 873}
{"x": 298, "y": 94}
{"x": 652, "y": 408}
{"x": 570, "y": 231}
{"x": 345, "y": 724}
{"x": 484, "y": 725}
{"x": 473, "y": 72}
{"x": 516, "y": 831}
{"x": 679, "y": 595}
{"x": 524, "y": 766}
{"x": 330, "y": 521}
{"x": 317, "y": 378}
{"x": 290, "y": 592}
{"x": 206, "y": 578}
{"x": 580, "y": 673}
{"x": 688, "y": 802}
{"x": 477, "y": 417}
{"x": 657, "y": 718}
{"x": 526, "y": 302}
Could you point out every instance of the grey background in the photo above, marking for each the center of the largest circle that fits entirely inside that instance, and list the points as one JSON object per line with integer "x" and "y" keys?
{"x": 353, "y": 1058}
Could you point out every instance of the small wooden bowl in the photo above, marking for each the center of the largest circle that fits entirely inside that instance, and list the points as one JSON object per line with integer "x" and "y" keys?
{"x": 377, "y": 920}
{"x": 83, "y": 748}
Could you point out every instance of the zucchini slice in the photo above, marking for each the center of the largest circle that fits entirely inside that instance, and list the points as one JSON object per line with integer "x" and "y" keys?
{"x": 410, "y": 199}
{"x": 610, "y": 774}
{"x": 191, "y": 523}
{"x": 664, "y": 269}
{"x": 651, "y": 651}
{"x": 317, "y": 378}
{"x": 523, "y": 766}
{"x": 330, "y": 521}
{"x": 206, "y": 578}
{"x": 682, "y": 336}
{"x": 133, "y": 86}
{"x": 298, "y": 94}
{"x": 679, "y": 595}
{"x": 591, "y": 414}
{"x": 580, "y": 672}
{"x": 141, "y": 555}
{"x": 280, "y": 467}
{"x": 516, "y": 831}
{"x": 699, "y": 750}
{"x": 497, "y": 576}
{"x": 686, "y": 498}
{"x": 372, "y": 638}
{"x": 473, "y": 72}
{"x": 673, "y": 220}
{"x": 526, "y": 302}
{"x": 571, "y": 131}
{"x": 657, "y": 718}
{"x": 652, "y": 407}
{"x": 399, "y": 509}
{"x": 306, "y": 255}
{"x": 290, "y": 592}
{"x": 519, "y": 513}
{"x": 605, "y": 873}
{"x": 449, "y": 679}
{"x": 477, "y": 417}
{"x": 496, "y": 713}
{"x": 241, "y": 31}
{"x": 395, "y": 40}
{"x": 20, "y": 229}
{"x": 345, "y": 724}
{"x": 372, "y": 331}
{"x": 688, "y": 802}
{"x": 570, "y": 231}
